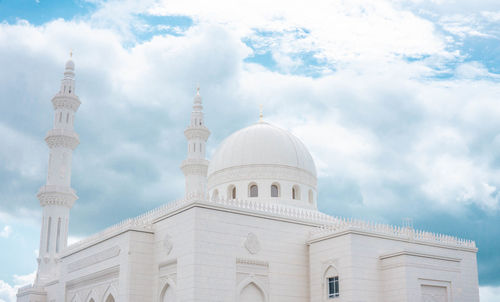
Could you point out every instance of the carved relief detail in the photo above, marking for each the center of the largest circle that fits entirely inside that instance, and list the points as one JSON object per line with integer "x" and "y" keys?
{"x": 252, "y": 243}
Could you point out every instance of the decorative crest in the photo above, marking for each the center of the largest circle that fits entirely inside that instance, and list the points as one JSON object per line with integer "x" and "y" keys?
{"x": 261, "y": 114}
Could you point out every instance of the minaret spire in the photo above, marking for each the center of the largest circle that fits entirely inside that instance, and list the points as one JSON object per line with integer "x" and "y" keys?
{"x": 57, "y": 197}
{"x": 195, "y": 165}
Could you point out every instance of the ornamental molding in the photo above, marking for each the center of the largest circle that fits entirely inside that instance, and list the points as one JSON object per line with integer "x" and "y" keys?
{"x": 56, "y": 195}
{"x": 252, "y": 262}
{"x": 197, "y": 133}
{"x": 108, "y": 274}
{"x": 256, "y": 172}
{"x": 94, "y": 259}
{"x": 66, "y": 102}
{"x": 252, "y": 243}
{"x": 62, "y": 138}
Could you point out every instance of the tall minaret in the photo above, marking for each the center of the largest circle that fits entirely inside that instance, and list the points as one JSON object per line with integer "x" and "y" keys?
{"x": 57, "y": 197}
{"x": 195, "y": 165}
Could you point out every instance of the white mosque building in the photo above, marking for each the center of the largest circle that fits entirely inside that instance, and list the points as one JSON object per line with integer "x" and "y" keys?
{"x": 247, "y": 230}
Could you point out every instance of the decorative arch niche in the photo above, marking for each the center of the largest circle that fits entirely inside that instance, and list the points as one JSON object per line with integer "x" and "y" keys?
{"x": 251, "y": 290}
{"x": 168, "y": 293}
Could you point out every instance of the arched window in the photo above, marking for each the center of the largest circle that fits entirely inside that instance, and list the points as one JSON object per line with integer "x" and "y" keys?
{"x": 253, "y": 191}
{"x": 231, "y": 192}
{"x": 275, "y": 190}
{"x": 215, "y": 195}
{"x": 311, "y": 197}
{"x": 331, "y": 279}
{"x": 296, "y": 192}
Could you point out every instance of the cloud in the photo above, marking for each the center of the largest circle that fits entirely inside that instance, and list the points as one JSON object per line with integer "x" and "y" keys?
{"x": 6, "y": 231}
{"x": 489, "y": 293}
{"x": 8, "y": 292}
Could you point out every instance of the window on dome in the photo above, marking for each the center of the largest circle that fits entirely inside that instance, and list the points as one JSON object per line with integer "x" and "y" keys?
{"x": 254, "y": 191}
{"x": 296, "y": 192}
{"x": 215, "y": 195}
{"x": 311, "y": 196}
{"x": 275, "y": 191}
{"x": 231, "y": 192}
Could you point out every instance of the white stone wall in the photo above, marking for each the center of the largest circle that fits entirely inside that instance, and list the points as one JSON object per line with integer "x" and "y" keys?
{"x": 232, "y": 250}
{"x": 174, "y": 245}
{"x": 378, "y": 268}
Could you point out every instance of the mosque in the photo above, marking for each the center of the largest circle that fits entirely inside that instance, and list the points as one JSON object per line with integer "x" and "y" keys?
{"x": 247, "y": 230}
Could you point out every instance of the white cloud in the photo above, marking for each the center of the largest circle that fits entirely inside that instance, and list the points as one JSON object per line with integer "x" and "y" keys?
{"x": 489, "y": 293}
{"x": 8, "y": 292}
{"x": 6, "y": 231}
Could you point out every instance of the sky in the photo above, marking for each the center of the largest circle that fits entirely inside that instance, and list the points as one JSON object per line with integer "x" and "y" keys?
{"x": 397, "y": 101}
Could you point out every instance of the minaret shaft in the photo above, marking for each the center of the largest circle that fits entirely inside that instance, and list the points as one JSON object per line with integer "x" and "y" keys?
{"x": 195, "y": 166}
{"x": 57, "y": 197}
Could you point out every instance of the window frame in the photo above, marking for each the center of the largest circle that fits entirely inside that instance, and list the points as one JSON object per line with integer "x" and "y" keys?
{"x": 332, "y": 280}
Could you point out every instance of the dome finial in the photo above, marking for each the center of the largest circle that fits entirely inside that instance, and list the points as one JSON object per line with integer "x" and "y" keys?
{"x": 198, "y": 89}
{"x": 261, "y": 114}
{"x": 71, "y": 53}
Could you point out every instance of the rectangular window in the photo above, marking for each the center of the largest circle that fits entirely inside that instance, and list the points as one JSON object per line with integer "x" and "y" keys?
{"x": 333, "y": 287}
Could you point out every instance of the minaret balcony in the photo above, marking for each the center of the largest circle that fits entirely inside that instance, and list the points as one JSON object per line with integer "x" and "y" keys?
{"x": 62, "y": 138}
{"x": 194, "y": 166}
{"x": 65, "y": 101}
{"x": 56, "y": 195}
{"x": 198, "y": 132}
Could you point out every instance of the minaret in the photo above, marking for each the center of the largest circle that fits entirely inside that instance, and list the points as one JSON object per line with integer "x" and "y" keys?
{"x": 195, "y": 165}
{"x": 57, "y": 197}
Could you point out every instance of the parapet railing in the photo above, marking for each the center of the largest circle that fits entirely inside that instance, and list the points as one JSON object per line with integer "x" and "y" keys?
{"x": 408, "y": 233}
{"x": 327, "y": 224}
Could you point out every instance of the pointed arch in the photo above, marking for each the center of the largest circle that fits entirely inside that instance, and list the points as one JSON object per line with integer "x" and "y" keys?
{"x": 168, "y": 292}
{"x": 251, "y": 287}
{"x": 92, "y": 297}
{"x": 75, "y": 298}
{"x": 110, "y": 295}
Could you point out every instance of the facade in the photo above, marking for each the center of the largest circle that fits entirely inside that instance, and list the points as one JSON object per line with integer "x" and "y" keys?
{"x": 247, "y": 230}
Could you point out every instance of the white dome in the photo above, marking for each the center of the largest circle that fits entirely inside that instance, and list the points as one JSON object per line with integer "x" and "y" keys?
{"x": 262, "y": 144}
{"x": 263, "y": 163}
